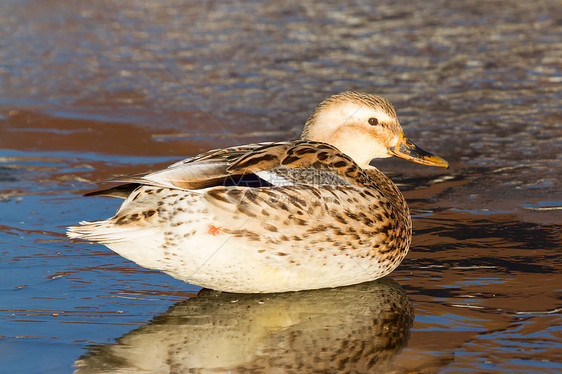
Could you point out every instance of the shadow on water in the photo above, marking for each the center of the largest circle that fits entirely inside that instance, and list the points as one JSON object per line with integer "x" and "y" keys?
{"x": 349, "y": 329}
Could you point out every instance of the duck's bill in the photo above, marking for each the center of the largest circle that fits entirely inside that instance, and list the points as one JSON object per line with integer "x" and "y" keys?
{"x": 409, "y": 151}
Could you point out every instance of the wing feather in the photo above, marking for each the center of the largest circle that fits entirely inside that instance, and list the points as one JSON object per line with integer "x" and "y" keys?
{"x": 295, "y": 162}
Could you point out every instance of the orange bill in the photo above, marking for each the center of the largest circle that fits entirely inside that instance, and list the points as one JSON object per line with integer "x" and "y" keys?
{"x": 408, "y": 150}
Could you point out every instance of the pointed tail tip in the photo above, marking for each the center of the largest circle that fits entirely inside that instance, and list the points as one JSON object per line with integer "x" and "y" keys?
{"x": 105, "y": 232}
{"x": 79, "y": 232}
{"x": 73, "y": 232}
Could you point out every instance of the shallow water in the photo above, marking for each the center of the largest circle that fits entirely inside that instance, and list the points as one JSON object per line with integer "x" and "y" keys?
{"x": 93, "y": 89}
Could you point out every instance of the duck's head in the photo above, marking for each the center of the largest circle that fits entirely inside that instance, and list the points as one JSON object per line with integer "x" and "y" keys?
{"x": 365, "y": 127}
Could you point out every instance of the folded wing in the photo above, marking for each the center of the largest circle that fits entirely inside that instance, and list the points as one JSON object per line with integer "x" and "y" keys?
{"x": 254, "y": 165}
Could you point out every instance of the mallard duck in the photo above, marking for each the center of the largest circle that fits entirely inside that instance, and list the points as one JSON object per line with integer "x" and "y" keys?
{"x": 277, "y": 216}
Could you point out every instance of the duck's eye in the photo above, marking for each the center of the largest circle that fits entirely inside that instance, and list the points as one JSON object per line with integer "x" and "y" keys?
{"x": 373, "y": 121}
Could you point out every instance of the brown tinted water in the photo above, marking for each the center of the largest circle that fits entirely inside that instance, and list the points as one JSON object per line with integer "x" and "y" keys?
{"x": 93, "y": 89}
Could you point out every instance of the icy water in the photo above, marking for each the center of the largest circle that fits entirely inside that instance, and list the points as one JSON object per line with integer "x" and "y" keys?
{"x": 93, "y": 89}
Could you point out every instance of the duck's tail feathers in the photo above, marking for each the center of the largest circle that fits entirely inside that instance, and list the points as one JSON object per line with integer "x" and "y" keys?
{"x": 105, "y": 232}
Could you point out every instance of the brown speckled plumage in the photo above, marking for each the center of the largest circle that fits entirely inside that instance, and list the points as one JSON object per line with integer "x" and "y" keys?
{"x": 272, "y": 217}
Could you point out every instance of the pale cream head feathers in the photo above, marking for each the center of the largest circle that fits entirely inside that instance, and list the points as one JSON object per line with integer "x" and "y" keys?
{"x": 361, "y": 125}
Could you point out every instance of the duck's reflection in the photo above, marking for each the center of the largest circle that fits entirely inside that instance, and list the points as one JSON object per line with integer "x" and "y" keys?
{"x": 353, "y": 328}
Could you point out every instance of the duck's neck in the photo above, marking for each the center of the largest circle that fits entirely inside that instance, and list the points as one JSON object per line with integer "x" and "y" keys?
{"x": 361, "y": 150}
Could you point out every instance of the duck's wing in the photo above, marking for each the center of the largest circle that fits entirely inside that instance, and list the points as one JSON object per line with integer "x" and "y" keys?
{"x": 300, "y": 162}
{"x": 204, "y": 170}
{"x": 253, "y": 165}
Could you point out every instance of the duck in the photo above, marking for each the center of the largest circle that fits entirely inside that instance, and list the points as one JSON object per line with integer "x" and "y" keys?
{"x": 277, "y": 216}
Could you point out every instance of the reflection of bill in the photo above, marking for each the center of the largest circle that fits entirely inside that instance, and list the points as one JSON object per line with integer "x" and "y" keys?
{"x": 355, "y": 328}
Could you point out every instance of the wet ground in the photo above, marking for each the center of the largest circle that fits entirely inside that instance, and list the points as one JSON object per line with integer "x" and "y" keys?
{"x": 93, "y": 89}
